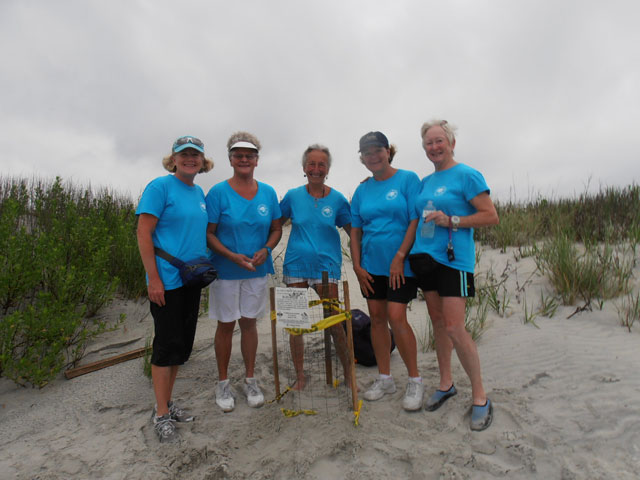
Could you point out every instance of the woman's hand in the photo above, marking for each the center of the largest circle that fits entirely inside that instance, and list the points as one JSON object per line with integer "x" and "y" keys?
{"x": 439, "y": 218}
{"x": 364, "y": 279}
{"x": 260, "y": 257}
{"x": 243, "y": 261}
{"x": 396, "y": 271}
{"x": 155, "y": 290}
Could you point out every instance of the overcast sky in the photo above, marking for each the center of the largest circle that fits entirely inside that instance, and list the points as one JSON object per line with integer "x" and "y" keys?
{"x": 545, "y": 94}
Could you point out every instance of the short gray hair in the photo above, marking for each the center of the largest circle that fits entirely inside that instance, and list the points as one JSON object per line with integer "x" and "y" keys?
{"x": 449, "y": 130}
{"x": 243, "y": 137}
{"x": 316, "y": 147}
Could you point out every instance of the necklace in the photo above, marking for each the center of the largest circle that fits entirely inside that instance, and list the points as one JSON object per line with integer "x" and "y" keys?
{"x": 315, "y": 199}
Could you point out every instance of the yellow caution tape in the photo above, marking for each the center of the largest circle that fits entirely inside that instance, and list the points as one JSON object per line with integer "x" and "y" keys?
{"x": 321, "y": 325}
{"x": 295, "y": 413}
{"x": 356, "y": 414}
{"x": 279, "y": 397}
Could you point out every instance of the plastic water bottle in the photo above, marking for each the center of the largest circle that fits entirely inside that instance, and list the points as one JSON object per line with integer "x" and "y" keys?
{"x": 428, "y": 228}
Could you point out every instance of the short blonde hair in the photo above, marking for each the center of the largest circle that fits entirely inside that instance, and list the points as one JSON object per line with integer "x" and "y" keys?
{"x": 169, "y": 164}
{"x": 449, "y": 130}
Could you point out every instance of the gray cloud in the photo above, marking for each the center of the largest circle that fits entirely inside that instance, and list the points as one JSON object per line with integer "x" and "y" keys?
{"x": 545, "y": 94}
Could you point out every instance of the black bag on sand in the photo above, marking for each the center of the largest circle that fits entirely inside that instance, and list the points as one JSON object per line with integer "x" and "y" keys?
{"x": 362, "y": 347}
{"x": 195, "y": 273}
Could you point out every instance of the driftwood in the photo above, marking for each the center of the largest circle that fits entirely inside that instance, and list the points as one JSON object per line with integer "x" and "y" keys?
{"x": 106, "y": 362}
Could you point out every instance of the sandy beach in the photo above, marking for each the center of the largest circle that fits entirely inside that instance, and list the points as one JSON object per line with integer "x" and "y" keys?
{"x": 566, "y": 396}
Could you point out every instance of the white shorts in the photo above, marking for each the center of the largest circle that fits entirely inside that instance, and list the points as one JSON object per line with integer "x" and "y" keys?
{"x": 231, "y": 299}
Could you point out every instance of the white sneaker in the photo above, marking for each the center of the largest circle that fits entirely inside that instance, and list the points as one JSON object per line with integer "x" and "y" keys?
{"x": 224, "y": 396}
{"x": 413, "y": 396}
{"x": 255, "y": 398}
{"x": 378, "y": 388}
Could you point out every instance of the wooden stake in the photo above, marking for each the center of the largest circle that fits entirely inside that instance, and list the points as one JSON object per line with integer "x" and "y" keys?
{"x": 106, "y": 362}
{"x": 327, "y": 311}
{"x": 274, "y": 340}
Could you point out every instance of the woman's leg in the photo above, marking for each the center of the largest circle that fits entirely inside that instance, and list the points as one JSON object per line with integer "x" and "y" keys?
{"x": 444, "y": 346}
{"x": 222, "y": 343}
{"x": 380, "y": 336}
{"x": 162, "y": 387}
{"x": 296, "y": 345}
{"x": 454, "y": 313}
{"x": 404, "y": 336}
{"x": 248, "y": 344}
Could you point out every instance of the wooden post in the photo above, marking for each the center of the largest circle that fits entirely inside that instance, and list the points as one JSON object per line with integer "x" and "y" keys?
{"x": 352, "y": 361}
{"x": 274, "y": 339}
{"x": 105, "y": 362}
{"x": 327, "y": 311}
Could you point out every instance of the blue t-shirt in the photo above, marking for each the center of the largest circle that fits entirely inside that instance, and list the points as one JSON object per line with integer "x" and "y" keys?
{"x": 314, "y": 242}
{"x": 383, "y": 210}
{"x": 242, "y": 226}
{"x": 451, "y": 191}
{"x": 181, "y": 230}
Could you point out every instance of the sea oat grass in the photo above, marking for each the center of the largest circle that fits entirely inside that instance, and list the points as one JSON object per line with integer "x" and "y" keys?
{"x": 65, "y": 252}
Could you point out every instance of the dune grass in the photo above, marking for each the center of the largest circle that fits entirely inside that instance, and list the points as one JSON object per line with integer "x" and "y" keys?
{"x": 65, "y": 252}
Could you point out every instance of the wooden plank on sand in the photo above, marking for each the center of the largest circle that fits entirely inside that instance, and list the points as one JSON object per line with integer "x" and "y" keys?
{"x": 106, "y": 362}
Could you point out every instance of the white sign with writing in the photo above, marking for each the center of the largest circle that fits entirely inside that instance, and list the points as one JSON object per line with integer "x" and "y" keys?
{"x": 292, "y": 307}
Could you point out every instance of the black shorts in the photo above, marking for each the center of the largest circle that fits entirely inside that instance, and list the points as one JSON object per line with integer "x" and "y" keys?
{"x": 175, "y": 326}
{"x": 382, "y": 290}
{"x": 448, "y": 282}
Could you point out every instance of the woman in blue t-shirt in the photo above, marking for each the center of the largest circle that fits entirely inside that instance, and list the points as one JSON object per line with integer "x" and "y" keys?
{"x": 172, "y": 215}
{"x": 452, "y": 202}
{"x": 244, "y": 226}
{"x": 316, "y": 212}
{"x": 381, "y": 235}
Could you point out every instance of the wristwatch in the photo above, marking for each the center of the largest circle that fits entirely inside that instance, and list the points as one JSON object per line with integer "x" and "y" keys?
{"x": 455, "y": 222}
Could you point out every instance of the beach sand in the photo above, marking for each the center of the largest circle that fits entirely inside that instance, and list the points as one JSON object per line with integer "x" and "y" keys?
{"x": 566, "y": 398}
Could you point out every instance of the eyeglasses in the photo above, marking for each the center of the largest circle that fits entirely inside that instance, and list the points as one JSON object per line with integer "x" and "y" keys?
{"x": 188, "y": 140}
{"x": 240, "y": 156}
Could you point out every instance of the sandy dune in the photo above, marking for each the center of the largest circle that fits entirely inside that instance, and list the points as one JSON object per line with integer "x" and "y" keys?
{"x": 566, "y": 396}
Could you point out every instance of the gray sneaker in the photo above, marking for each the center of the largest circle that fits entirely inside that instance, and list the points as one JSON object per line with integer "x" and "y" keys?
{"x": 178, "y": 414}
{"x": 165, "y": 428}
{"x": 225, "y": 398}
{"x": 413, "y": 396}
{"x": 378, "y": 388}
{"x": 255, "y": 398}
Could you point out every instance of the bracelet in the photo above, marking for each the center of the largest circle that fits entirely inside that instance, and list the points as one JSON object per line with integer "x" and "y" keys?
{"x": 268, "y": 249}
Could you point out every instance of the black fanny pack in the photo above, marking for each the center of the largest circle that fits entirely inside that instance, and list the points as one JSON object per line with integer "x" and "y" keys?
{"x": 194, "y": 273}
{"x": 422, "y": 264}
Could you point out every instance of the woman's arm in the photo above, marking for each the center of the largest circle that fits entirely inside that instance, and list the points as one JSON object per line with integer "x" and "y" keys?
{"x": 364, "y": 279}
{"x": 146, "y": 226}
{"x": 485, "y": 215}
{"x": 396, "y": 271}
{"x": 347, "y": 228}
{"x": 216, "y": 245}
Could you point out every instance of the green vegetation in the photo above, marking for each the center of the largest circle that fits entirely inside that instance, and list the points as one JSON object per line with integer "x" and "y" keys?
{"x": 65, "y": 252}
{"x": 586, "y": 219}
{"x": 586, "y": 247}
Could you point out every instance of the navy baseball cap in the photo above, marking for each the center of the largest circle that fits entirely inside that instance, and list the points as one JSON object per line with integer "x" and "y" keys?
{"x": 373, "y": 139}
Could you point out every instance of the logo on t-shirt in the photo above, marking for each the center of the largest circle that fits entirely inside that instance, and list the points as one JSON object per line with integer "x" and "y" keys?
{"x": 391, "y": 194}
{"x": 263, "y": 210}
{"x": 440, "y": 191}
{"x": 203, "y": 206}
{"x": 327, "y": 211}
